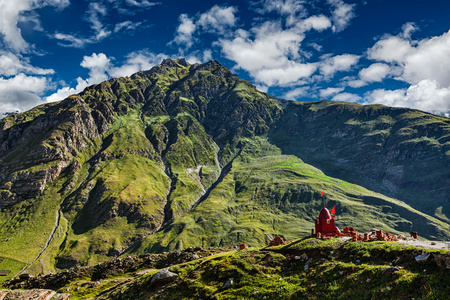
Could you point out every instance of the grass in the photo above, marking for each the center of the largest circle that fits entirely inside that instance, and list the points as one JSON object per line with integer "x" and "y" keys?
{"x": 332, "y": 269}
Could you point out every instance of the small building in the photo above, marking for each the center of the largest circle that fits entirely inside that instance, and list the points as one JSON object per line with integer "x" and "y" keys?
{"x": 325, "y": 224}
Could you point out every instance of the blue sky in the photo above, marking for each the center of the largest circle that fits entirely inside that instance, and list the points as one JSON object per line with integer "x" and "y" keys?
{"x": 393, "y": 52}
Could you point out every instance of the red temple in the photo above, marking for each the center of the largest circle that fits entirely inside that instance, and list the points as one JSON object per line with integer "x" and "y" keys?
{"x": 325, "y": 224}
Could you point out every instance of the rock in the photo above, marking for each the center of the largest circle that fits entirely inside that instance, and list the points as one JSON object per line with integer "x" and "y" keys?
{"x": 195, "y": 256}
{"x": 442, "y": 260}
{"x": 278, "y": 240}
{"x": 422, "y": 258}
{"x": 307, "y": 264}
{"x": 163, "y": 276}
{"x": 390, "y": 271}
{"x": 243, "y": 246}
{"x": 228, "y": 284}
{"x": 303, "y": 256}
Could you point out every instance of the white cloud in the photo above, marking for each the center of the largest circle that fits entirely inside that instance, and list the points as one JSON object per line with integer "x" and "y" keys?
{"x": 142, "y": 3}
{"x": 426, "y": 95}
{"x": 318, "y": 23}
{"x": 185, "y": 31}
{"x": 290, "y": 73}
{"x": 296, "y": 93}
{"x": 375, "y": 72}
{"x": 424, "y": 64}
{"x": 98, "y": 65}
{"x": 10, "y": 12}
{"x": 293, "y": 10}
{"x": 419, "y": 60}
{"x": 269, "y": 53}
{"x": 333, "y": 64}
{"x": 342, "y": 14}
{"x": 11, "y": 64}
{"x": 262, "y": 88}
{"x": 347, "y": 97}
{"x": 354, "y": 83}
{"x": 20, "y": 93}
{"x": 328, "y": 92}
{"x": 127, "y": 25}
{"x": 96, "y": 11}
{"x": 390, "y": 49}
{"x": 218, "y": 19}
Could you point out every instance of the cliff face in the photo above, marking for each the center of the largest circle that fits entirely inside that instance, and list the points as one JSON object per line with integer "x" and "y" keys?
{"x": 191, "y": 155}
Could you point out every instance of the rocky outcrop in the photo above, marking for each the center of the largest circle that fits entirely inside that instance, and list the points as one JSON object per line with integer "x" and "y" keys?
{"x": 32, "y": 294}
{"x": 34, "y": 154}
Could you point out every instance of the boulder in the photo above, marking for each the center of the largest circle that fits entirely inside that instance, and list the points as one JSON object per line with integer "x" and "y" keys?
{"x": 163, "y": 276}
{"x": 228, "y": 284}
{"x": 422, "y": 258}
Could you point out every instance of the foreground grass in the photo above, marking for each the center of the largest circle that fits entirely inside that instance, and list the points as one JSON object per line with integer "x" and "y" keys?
{"x": 304, "y": 269}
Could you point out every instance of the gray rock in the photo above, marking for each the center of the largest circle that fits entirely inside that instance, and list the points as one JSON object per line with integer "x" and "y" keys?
{"x": 228, "y": 284}
{"x": 422, "y": 258}
{"x": 163, "y": 276}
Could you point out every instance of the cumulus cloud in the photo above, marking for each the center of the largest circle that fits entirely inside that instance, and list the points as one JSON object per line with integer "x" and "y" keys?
{"x": 217, "y": 20}
{"x": 318, "y": 23}
{"x": 20, "y": 93}
{"x": 375, "y": 72}
{"x": 10, "y": 12}
{"x": 269, "y": 53}
{"x": 328, "y": 92}
{"x": 342, "y": 14}
{"x": 347, "y": 97}
{"x": 12, "y": 64}
{"x": 426, "y": 95}
{"x": 296, "y": 93}
{"x": 185, "y": 31}
{"x": 330, "y": 65}
{"x": 424, "y": 64}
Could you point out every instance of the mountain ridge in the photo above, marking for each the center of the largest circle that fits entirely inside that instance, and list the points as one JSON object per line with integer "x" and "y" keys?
{"x": 191, "y": 155}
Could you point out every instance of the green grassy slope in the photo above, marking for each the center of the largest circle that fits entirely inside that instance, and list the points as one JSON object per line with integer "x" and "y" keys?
{"x": 396, "y": 151}
{"x": 304, "y": 269}
{"x": 191, "y": 155}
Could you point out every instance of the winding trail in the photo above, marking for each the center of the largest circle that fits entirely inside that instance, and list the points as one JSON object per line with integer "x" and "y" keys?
{"x": 47, "y": 244}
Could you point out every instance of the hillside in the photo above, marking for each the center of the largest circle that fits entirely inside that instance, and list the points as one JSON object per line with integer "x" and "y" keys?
{"x": 304, "y": 269}
{"x": 191, "y": 155}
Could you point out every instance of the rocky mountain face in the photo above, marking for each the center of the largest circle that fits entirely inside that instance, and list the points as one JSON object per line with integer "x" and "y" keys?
{"x": 191, "y": 155}
{"x": 397, "y": 151}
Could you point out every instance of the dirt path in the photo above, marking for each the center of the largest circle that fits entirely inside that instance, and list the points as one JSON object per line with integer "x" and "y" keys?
{"x": 439, "y": 245}
{"x": 49, "y": 240}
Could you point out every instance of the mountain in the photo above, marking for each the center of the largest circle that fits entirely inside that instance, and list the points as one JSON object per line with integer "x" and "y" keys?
{"x": 191, "y": 155}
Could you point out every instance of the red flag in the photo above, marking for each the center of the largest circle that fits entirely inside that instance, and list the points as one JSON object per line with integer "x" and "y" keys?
{"x": 322, "y": 193}
{"x": 333, "y": 211}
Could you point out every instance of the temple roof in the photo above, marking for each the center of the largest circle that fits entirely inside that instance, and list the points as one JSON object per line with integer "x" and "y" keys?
{"x": 324, "y": 214}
